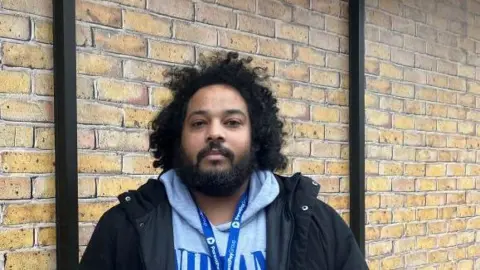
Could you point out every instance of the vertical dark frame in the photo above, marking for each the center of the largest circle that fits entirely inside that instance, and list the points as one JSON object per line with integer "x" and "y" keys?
{"x": 357, "y": 119}
{"x": 66, "y": 179}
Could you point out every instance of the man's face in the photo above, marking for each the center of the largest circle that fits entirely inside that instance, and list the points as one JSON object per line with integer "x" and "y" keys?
{"x": 216, "y": 141}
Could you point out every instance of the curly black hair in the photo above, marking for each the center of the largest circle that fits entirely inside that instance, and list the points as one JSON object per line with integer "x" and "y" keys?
{"x": 220, "y": 68}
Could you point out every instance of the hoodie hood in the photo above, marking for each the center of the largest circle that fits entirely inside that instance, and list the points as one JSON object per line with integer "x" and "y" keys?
{"x": 263, "y": 190}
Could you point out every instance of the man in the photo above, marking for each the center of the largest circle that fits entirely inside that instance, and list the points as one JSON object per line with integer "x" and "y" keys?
{"x": 218, "y": 203}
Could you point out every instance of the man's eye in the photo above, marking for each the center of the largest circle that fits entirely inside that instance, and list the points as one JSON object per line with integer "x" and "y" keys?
{"x": 198, "y": 124}
{"x": 233, "y": 123}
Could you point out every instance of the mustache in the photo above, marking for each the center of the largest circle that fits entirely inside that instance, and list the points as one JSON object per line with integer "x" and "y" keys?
{"x": 218, "y": 147}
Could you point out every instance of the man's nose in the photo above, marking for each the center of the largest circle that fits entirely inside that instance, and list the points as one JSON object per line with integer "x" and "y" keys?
{"x": 216, "y": 132}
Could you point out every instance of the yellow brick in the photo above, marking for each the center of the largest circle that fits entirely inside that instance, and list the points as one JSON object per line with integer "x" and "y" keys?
{"x": 426, "y": 155}
{"x": 47, "y": 236}
{"x": 403, "y": 122}
{"x": 437, "y": 80}
{"x": 139, "y": 118}
{"x": 425, "y": 124}
{"x": 426, "y": 242}
{"x": 114, "y": 186}
{"x": 309, "y": 130}
{"x": 378, "y": 184}
{"x": 294, "y": 110}
{"x": 136, "y": 164}
{"x": 426, "y": 93}
{"x": 465, "y": 183}
{"x": 402, "y": 245}
{"x": 38, "y": 7}
{"x": 43, "y": 85}
{"x": 466, "y": 128}
{"x": 309, "y": 166}
{"x": 236, "y": 41}
{"x": 92, "y": 211}
{"x": 118, "y": 91}
{"x": 325, "y": 114}
{"x": 456, "y": 198}
{"x": 380, "y": 248}
{"x": 378, "y": 85}
{"x": 43, "y": 31}
{"x": 309, "y": 93}
{"x": 436, "y": 140}
{"x": 256, "y": 25}
{"x": 371, "y": 201}
{"x": 144, "y": 71}
{"x": 392, "y": 200}
{"x": 447, "y": 126}
{"x": 98, "y": 13}
{"x": 321, "y": 149}
{"x": 415, "y": 200}
{"x": 121, "y": 43}
{"x": 28, "y": 213}
{"x": 336, "y": 133}
{"x": 22, "y": 110}
{"x": 83, "y": 35}
{"x": 337, "y": 97}
{"x": 379, "y": 217}
{"x": 146, "y": 23}
{"x": 466, "y": 211}
{"x": 123, "y": 141}
{"x": 377, "y": 118}
{"x": 403, "y": 215}
{"x": 473, "y": 251}
{"x": 426, "y": 185}
{"x": 392, "y": 262}
{"x": 195, "y": 33}
{"x": 377, "y": 50}
{"x": 91, "y": 113}
{"x": 281, "y": 89}
{"x": 290, "y": 71}
{"x": 99, "y": 163}
{"x": 336, "y": 168}
{"x": 447, "y": 240}
{"x": 27, "y": 162}
{"x": 473, "y": 223}
{"x": 391, "y": 169}
{"x": 7, "y": 136}
{"x": 327, "y": 78}
{"x": 38, "y": 260}
{"x": 435, "y": 170}
{"x": 473, "y": 196}
{"x": 392, "y": 231}
{"x": 436, "y": 199}
{"x": 373, "y": 264}
{"x": 437, "y": 256}
{"x": 93, "y": 64}
{"x": 372, "y": 66}
{"x": 415, "y": 169}
{"x": 24, "y": 136}
{"x": 276, "y": 48}
{"x": 308, "y": 55}
{"x": 214, "y": 15}
{"x": 44, "y": 187}
{"x": 456, "y": 225}
{"x": 372, "y": 233}
{"x": 292, "y": 32}
{"x": 415, "y": 229}
{"x": 15, "y": 188}
{"x": 438, "y": 110}
{"x": 446, "y": 184}
{"x": 14, "y": 82}
{"x": 45, "y": 138}
{"x": 26, "y": 55}
{"x": 447, "y": 212}
{"x": 403, "y": 184}
{"x": 297, "y": 148}
{"x": 391, "y": 71}
{"x": 16, "y": 238}
{"x": 426, "y": 214}
{"x": 12, "y": 26}
{"x": 172, "y": 52}
{"x": 338, "y": 202}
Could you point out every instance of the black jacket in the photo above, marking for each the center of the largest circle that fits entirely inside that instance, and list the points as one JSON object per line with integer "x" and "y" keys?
{"x": 303, "y": 232}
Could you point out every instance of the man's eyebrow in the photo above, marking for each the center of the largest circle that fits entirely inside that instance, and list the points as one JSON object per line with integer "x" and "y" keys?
{"x": 227, "y": 112}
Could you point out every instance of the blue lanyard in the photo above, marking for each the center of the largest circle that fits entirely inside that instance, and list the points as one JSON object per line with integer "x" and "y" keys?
{"x": 232, "y": 237}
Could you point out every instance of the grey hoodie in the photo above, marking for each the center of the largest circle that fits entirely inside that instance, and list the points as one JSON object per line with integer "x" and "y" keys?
{"x": 190, "y": 247}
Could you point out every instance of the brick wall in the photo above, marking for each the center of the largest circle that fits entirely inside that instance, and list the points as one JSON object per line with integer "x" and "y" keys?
{"x": 423, "y": 133}
{"x": 423, "y": 106}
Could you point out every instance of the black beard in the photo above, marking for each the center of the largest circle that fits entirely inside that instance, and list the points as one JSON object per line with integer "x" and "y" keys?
{"x": 214, "y": 183}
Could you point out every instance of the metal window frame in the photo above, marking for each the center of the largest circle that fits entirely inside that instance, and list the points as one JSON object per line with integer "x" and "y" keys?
{"x": 357, "y": 119}
{"x": 65, "y": 103}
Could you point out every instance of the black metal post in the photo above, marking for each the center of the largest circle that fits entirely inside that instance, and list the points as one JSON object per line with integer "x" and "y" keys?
{"x": 66, "y": 179}
{"x": 357, "y": 120}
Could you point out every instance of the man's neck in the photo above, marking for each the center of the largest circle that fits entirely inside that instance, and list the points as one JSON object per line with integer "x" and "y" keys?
{"x": 219, "y": 210}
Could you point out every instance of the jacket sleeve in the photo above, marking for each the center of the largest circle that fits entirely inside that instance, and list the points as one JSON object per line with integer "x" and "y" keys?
{"x": 100, "y": 251}
{"x": 348, "y": 254}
